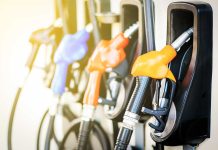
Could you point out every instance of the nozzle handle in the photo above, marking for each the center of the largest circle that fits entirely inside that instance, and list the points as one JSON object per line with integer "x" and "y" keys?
{"x": 92, "y": 91}
{"x": 59, "y": 81}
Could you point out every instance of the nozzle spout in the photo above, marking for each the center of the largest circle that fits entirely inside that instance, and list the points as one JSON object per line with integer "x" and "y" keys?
{"x": 182, "y": 39}
{"x": 132, "y": 29}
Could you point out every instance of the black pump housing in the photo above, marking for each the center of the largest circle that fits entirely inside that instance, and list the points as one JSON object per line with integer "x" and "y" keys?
{"x": 193, "y": 71}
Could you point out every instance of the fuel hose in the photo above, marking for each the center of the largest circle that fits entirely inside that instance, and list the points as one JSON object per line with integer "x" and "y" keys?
{"x": 142, "y": 70}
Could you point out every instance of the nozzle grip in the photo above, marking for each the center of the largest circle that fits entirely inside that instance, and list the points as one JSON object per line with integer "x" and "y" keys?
{"x": 92, "y": 91}
{"x": 73, "y": 47}
{"x": 59, "y": 81}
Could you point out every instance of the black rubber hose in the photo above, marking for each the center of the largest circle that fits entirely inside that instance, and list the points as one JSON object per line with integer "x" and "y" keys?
{"x": 138, "y": 96}
{"x": 29, "y": 64}
{"x": 11, "y": 119}
{"x": 66, "y": 114}
{"x": 49, "y": 133}
{"x": 84, "y": 131}
{"x": 115, "y": 131}
{"x": 123, "y": 138}
{"x": 135, "y": 105}
{"x": 102, "y": 136}
{"x": 74, "y": 128}
{"x": 39, "y": 130}
{"x": 159, "y": 146}
{"x": 97, "y": 131}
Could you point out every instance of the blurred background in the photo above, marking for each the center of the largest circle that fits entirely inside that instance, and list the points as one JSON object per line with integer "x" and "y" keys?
{"x": 18, "y": 18}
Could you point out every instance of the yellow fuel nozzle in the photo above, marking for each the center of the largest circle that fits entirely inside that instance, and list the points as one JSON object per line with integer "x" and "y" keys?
{"x": 154, "y": 64}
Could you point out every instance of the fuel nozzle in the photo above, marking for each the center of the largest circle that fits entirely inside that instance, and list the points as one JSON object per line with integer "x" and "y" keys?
{"x": 73, "y": 47}
{"x": 158, "y": 60}
{"x": 111, "y": 51}
{"x": 107, "y": 55}
{"x": 184, "y": 37}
